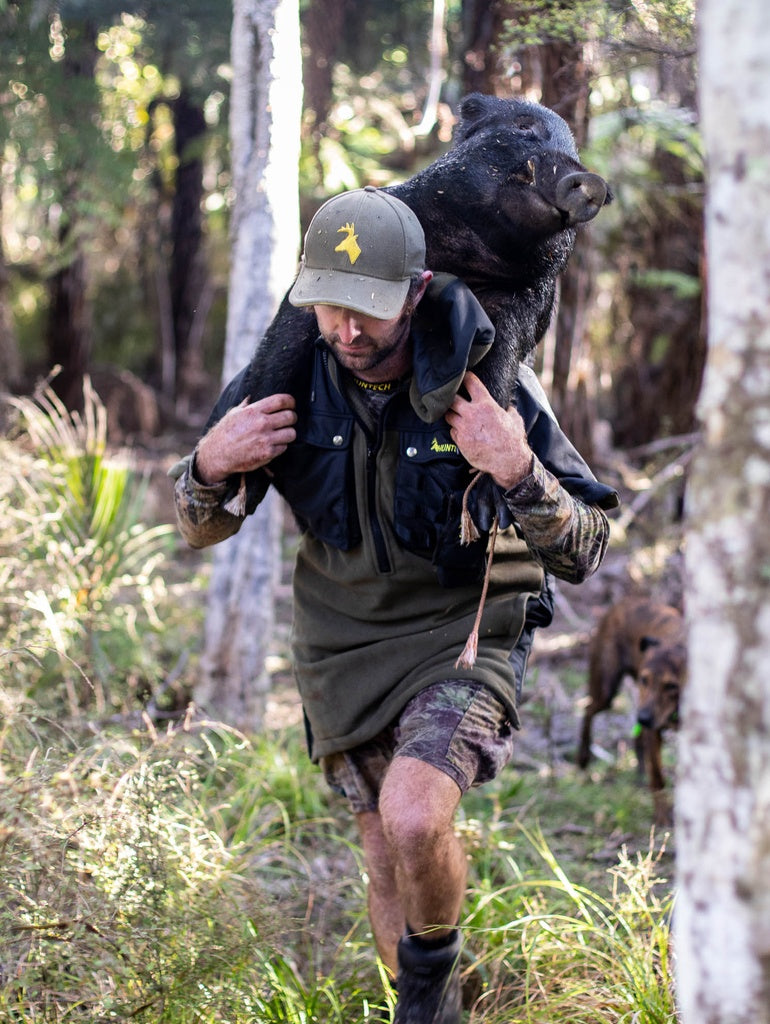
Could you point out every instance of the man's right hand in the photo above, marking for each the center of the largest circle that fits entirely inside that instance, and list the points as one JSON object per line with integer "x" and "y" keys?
{"x": 246, "y": 438}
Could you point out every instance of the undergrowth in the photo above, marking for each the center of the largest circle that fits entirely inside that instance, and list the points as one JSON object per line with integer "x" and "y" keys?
{"x": 79, "y": 582}
{"x": 194, "y": 875}
{"x": 163, "y": 877}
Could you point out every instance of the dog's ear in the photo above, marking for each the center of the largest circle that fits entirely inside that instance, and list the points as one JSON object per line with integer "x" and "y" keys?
{"x": 648, "y": 641}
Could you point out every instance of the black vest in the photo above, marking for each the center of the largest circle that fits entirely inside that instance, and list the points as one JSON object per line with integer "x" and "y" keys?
{"x": 315, "y": 476}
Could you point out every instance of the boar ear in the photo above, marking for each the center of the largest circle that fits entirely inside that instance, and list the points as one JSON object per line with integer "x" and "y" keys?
{"x": 473, "y": 108}
{"x": 648, "y": 641}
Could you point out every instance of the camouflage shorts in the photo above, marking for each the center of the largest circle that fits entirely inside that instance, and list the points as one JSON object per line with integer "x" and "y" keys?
{"x": 458, "y": 726}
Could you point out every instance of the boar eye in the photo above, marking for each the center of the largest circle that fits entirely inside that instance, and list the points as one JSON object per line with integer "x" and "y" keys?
{"x": 531, "y": 127}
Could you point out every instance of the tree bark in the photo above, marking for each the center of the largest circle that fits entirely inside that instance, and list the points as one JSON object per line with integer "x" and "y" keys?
{"x": 10, "y": 362}
{"x": 188, "y": 271}
{"x": 656, "y": 386}
{"x": 266, "y": 107}
{"x": 69, "y": 328}
{"x": 68, "y": 334}
{"x": 324, "y": 21}
{"x": 565, "y": 89}
{"x": 722, "y": 919}
{"x": 437, "y": 48}
{"x": 482, "y": 21}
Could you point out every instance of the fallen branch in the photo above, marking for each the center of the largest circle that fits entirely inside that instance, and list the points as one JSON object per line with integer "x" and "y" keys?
{"x": 663, "y": 444}
{"x": 670, "y": 472}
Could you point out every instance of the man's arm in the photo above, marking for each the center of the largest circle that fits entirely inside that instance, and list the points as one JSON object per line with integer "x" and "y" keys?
{"x": 200, "y": 513}
{"x": 567, "y": 536}
{"x": 244, "y": 440}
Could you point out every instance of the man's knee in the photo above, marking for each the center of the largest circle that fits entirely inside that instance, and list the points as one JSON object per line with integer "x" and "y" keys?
{"x": 417, "y": 805}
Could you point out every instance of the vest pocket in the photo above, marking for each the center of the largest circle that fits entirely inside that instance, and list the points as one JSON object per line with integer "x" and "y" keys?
{"x": 430, "y": 481}
{"x": 316, "y": 478}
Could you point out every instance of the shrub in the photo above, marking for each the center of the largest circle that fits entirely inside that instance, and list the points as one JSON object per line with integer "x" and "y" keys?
{"x": 79, "y": 584}
{"x": 120, "y": 899}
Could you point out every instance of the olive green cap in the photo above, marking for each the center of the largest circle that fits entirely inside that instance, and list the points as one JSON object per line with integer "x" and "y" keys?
{"x": 361, "y": 251}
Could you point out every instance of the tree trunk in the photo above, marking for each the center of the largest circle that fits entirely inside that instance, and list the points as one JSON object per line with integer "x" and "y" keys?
{"x": 437, "y": 48}
{"x": 656, "y": 387}
{"x": 266, "y": 107}
{"x": 69, "y": 329}
{"x": 10, "y": 363}
{"x": 482, "y": 21}
{"x": 565, "y": 88}
{"x": 324, "y": 22}
{"x": 68, "y": 334}
{"x": 188, "y": 271}
{"x": 722, "y": 918}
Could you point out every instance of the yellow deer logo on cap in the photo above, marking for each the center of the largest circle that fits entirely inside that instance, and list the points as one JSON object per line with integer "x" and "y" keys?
{"x": 350, "y": 243}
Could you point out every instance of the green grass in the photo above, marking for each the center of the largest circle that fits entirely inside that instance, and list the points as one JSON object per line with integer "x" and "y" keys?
{"x": 198, "y": 876}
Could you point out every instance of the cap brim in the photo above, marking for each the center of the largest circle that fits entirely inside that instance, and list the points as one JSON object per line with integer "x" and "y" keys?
{"x": 371, "y": 296}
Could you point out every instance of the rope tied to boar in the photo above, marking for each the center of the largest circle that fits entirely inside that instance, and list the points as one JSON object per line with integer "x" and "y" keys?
{"x": 469, "y": 533}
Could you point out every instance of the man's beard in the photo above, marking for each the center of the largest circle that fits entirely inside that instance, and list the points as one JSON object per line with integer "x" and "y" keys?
{"x": 369, "y": 353}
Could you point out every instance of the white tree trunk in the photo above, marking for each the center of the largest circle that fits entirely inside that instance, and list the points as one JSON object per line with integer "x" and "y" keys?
{"x": 722, "y": 916}
{"x": 265, "y": 115}
{"x": 437, "y": 47}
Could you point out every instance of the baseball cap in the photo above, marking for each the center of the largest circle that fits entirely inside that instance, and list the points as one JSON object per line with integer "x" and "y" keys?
{"x": 361, "y": 250}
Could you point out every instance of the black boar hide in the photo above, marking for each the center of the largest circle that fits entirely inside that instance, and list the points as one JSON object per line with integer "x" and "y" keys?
{"x": 500, "y": 211}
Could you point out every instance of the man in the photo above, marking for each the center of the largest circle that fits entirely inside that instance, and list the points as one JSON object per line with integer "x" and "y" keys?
{"x": 374, "y": 455}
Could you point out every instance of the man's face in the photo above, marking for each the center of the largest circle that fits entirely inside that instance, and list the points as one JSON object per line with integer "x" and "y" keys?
{"x": 373, "y": 349}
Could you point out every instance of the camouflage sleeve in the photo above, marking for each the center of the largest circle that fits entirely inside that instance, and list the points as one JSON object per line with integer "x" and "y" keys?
{"x": 567, "y": 537}
{"x": 201, "y": 519}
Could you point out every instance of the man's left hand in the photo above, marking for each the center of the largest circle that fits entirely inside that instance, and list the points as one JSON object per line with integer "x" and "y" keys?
{"x": 491, "y": 438}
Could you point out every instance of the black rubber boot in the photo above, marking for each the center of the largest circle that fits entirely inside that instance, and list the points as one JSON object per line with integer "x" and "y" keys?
{"x": 428, "y": 982}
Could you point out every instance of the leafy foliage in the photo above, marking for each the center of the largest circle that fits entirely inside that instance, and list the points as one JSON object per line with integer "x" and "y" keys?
{"x": 79, "y": 580}
{"x": 581, "y": 955}
{"x": 539, "y": 22}
{"x": 90, "y": 160}
{"x": 121, "y": 901}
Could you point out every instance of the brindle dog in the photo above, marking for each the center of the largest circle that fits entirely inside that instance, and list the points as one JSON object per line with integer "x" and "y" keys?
{"x": 643, "y": 639}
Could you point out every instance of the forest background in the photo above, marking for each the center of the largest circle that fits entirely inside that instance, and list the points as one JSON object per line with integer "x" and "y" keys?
{"x": 160, "y": 869}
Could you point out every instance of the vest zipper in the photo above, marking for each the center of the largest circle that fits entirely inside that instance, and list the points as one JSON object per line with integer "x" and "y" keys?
{"x": 373, "y": 445}
{"x": 378, "y": 538}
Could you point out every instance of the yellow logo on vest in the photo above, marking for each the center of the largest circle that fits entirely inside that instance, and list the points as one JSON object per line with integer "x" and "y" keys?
{"x": 438, "y": 446}
{"x": 349, "y": 244}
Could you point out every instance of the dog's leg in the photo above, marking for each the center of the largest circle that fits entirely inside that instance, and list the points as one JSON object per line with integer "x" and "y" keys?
{"x": 584, "y": 749}
{"x": 640, "y": 750}
{"x": 653, "y": 748}
{"x": 664, "y": 814}
{"x": 603, "y": 686}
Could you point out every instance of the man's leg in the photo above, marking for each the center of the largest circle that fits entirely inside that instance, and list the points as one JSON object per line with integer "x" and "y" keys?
{"x": 417, "y": 807}
{"x": 450, "y": 736}
{"x": 385, "y": 912}
{"x": 419, "y": 864}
